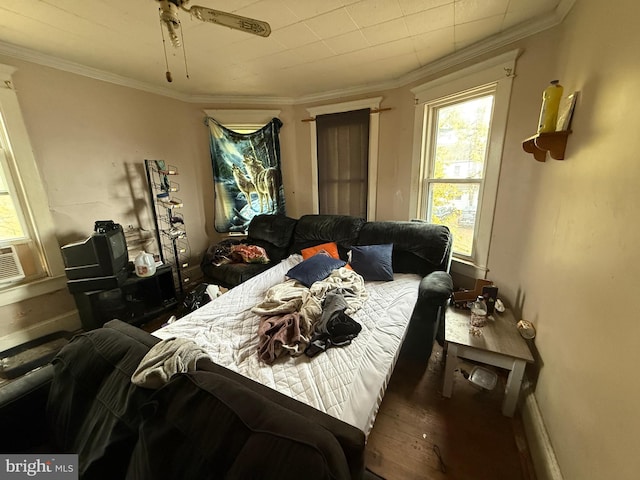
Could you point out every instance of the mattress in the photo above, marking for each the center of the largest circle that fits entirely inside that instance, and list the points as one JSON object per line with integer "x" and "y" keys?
{"x": 345, "y": 382}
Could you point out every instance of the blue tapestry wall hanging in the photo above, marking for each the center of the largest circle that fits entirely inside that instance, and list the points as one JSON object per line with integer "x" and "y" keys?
{"x": 246, "y": 174}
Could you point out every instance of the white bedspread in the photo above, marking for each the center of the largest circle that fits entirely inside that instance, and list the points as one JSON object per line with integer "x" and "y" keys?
{"x": 345, "y": 382}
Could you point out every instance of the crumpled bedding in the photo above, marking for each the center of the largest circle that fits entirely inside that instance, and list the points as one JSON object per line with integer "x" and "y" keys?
{"x": 347, "y": 383}
{"x": 335, "y": 328}
{"x": 280, "y": 334}
{"x": 166, "y": 359}
{"x": 291, "y": 296}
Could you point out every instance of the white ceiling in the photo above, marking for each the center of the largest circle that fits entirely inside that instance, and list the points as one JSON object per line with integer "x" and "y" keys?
{"x": 316, "y": 48}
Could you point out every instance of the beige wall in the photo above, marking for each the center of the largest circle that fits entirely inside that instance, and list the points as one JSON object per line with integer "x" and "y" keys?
{"x": 565, "y": 239}
{"x": 90, "y": 139}
{"x": 566, "y": 235}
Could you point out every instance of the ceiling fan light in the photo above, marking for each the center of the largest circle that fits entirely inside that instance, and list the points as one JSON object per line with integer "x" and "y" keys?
{"x": 169, "y": 12}
{"x": 169, "y": 16}
{"x": 173, "y": 35}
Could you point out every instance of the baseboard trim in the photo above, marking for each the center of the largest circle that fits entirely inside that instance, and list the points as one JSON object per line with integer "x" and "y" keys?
{"x": 542, "y": 454}
{"x": 69, "y": 321}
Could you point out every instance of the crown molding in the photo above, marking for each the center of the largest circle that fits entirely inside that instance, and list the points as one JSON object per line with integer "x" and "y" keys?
{"x": 6, "y": 73}
{"x": 500, "y": 40}
{"x": 371, "y": 103}
{"x": 46, "y": 60}
{"x": 515, "y": 33}
{"x": 241, "y": 100}
{"x": 39, "y": 58}
{"x": 494, "y": 69}
{"x": 563, "y": 8}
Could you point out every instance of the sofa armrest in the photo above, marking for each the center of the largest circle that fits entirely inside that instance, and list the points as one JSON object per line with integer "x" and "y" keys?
{"x": 134, "y": 333}
{"x": 426, "y": 323}
{"x": 350, "y": 438}
{"x": 435, "y": 289}
{"x": 23, "y": 405}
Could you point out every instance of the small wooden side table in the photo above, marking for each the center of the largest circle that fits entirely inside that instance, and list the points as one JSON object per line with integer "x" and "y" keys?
{"x": 499, "y": 345}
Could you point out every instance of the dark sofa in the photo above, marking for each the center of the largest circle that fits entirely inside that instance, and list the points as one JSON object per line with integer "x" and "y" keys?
{"x": 213, "y": 423}
{"x": 208, "y": 424}
{"x": 418, "y": 247}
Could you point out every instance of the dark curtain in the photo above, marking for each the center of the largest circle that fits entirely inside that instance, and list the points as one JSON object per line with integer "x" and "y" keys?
{"x": 246, "y": 174}
{"x": 343, "y": 157}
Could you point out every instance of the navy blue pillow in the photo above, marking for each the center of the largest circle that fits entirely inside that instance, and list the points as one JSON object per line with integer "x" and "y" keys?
{"x": 373, "y": 262}
{"x": 315, "y": 268}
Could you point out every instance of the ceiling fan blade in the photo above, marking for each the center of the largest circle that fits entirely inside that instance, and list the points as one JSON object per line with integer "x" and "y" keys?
{"x": 230, "y": 20}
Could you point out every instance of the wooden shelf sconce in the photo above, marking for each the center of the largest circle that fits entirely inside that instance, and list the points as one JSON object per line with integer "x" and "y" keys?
{"x": 553, "y": 142}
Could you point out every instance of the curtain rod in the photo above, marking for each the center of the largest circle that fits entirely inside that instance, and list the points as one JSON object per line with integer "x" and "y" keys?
{"x": 373, "y": 110}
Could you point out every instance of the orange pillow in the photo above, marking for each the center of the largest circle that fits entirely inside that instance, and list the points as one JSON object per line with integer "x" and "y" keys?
{"x": 331, "y": 248}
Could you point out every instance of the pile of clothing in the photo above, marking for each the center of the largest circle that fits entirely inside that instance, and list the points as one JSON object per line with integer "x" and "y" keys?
{"x": 296, "y": 320}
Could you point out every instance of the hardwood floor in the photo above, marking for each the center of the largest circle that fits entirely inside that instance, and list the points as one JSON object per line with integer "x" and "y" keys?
{"x": 419, "y": 434}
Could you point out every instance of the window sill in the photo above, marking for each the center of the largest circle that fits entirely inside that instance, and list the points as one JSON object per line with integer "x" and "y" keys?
{"x": 468, "y": 268}
{"x": 32, "y": 289}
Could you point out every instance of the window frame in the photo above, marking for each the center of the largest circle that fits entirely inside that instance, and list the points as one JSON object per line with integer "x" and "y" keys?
{"x": 498, "y": 71}
{"x": 32, "y": 198}
{"x": 428, "y": 164}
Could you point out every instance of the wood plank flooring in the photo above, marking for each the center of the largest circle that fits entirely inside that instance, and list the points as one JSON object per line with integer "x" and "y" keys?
{"x": 419, "y": 434}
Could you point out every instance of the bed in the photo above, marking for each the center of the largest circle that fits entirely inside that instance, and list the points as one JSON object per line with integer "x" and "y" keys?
{"x": 346, "y": 382}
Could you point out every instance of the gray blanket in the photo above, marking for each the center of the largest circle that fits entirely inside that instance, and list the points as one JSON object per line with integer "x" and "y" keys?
{"x": 165, "y": 359}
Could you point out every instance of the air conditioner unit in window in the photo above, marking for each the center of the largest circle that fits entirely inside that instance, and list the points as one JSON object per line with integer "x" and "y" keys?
{"x": 10, "y": 267}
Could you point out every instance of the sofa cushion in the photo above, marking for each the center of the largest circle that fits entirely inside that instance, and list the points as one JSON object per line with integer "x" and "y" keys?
{"x": 273, "y": 233}
{"x": 230, "y": 432}
{"x": 315, "y": 229}
{"x": 232, "y": 274}
{"x": 418, "y": 247}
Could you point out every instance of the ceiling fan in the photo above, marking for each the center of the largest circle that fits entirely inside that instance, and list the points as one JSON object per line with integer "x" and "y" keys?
{"x": 169, "y": 10}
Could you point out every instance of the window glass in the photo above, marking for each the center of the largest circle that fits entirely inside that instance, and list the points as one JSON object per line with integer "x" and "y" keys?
{"x": 462, "y": 132}
{"x": 459, "y": 133}
{"x": 456, "y": 206}
{"x": 10, "y": 225}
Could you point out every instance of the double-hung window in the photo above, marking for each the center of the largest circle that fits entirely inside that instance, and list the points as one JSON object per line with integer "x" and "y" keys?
{"x": 30, "y": 259}
{"x": 460, "y": 127}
